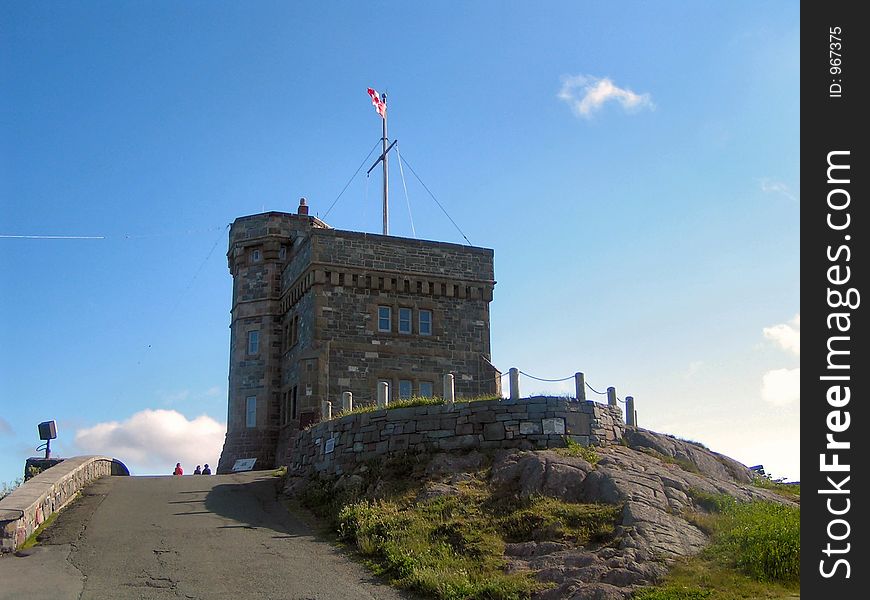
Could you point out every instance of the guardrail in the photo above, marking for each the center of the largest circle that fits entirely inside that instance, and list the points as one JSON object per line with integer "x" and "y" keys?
{"x": 29, "y": 505}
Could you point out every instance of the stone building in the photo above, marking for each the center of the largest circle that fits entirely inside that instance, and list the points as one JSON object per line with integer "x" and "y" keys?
{"x": 318, "y": 311}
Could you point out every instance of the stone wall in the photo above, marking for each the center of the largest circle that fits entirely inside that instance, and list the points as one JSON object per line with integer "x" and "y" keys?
{"x": 402, "y": 255}
{"x": 337, "y": 446}
{"x": 29, "y": 505}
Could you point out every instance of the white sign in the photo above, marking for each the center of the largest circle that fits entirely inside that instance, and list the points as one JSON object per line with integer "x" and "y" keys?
{"x": 244, "y": 464}
{"x": 330, "y": 446}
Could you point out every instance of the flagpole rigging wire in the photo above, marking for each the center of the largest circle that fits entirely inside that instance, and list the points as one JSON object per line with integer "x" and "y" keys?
{"x": 407, "y": 164}
{"x": 361, "y": 165}
{"x": 407, "y": 200}
{"x": 366, "y": 201}
{"x": 196, "y": 274}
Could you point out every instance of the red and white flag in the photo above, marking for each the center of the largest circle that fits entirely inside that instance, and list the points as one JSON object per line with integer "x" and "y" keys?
{"x": 379, "y": 102}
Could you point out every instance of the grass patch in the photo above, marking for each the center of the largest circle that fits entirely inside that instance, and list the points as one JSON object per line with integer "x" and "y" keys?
{"x": 404, "y": 403}
{"x": 409, "y": 403}
{"x": 548, "y": 519}
{"x": 280, "y": 471}
{"x": 685, "y": 465}
{"x": 573, "y": 448}
{"x": 442, "y": 547}
{"x": 755, "y": 553}
{"x": 672, "y": 592}
{"x": 692, "y": 442}
{"x": 32, "y": 540}
{"x": 701, "y": 578}
{"x": 761, "y": 539}
{"x": 791, "y": 491}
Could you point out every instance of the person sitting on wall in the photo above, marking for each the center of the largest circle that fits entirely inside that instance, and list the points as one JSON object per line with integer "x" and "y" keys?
{"x": 197, "y": 470}
{"x": 178, "y": 469}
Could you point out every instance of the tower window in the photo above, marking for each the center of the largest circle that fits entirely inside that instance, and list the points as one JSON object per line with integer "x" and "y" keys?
{"x": 384, "y": 318}
{"x": 425, "y": 322}
{"x": 405, "y": 388}
{"x": 293, "y": 406}
{"x": 404, "y": 320}
{"x": 256, "y": 255}
{"x": 251, "y": 411}
{"x": 427, "y": 390}
{"x": 294, "y": 330}
{"x": 253, "y": 342}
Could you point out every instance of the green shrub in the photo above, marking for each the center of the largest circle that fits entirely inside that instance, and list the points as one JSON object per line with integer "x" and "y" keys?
{"x": 762, "y": 539}
{"x": 33, "y": 471}
{"x": 715, "y": 503}
{"x": 573, "y": 448}
{"x": 672, "y": 593}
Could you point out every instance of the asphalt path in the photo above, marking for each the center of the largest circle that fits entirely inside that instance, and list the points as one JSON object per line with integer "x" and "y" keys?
{"x": 199, "y": 537}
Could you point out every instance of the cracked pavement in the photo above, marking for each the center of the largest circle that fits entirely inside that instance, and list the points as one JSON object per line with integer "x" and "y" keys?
{"x": 197, "y": 537}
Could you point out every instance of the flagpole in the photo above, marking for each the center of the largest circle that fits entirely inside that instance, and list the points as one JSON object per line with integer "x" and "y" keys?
{"x": 386, "y": 175}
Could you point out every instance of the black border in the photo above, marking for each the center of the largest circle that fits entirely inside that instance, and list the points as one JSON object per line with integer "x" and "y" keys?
{"x": 832, "y": 124}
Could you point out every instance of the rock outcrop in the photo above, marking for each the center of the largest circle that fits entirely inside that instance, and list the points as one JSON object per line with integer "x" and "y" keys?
{"x": 654, "y": 478}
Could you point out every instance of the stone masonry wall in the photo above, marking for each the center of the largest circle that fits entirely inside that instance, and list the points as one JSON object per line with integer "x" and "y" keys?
{"x": 337, "y": 446}
{"x": 387, "y": 253}
{"x": 359, "y": 272}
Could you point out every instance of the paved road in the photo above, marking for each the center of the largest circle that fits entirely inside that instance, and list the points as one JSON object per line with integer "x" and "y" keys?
{"x": 218, "y": 537}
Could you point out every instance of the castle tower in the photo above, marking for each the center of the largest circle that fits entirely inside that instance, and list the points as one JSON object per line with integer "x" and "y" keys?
{"x": 260, "y": 247}
{"x": 318, "y": 311}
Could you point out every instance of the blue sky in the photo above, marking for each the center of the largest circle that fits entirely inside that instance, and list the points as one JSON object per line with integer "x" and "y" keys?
{"x": 634, "y": 166}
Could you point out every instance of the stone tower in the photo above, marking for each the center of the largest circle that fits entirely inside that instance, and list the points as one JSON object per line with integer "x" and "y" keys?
{"x": 318, "y": 311}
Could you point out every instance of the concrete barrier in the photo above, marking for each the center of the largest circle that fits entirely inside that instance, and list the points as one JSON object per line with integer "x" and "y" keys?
{"x": 26, "y": 508}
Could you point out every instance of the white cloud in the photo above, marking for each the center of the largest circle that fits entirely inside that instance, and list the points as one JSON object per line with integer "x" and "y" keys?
{"x": 786, "y": 335}
{"x": 781, "y": 386}
{"x": 771, "y": 186}
{"x": 586, "y": 94}
{"x": 152, "y": 441}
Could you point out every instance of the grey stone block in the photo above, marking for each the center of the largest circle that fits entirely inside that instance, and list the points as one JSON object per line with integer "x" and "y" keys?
{"x": 441, "y": 433}
{"x": 428, "y": 424}
{"x": 529, "y": 427}
{"x": 554, "y": 426}
{"x": 401, "y": 414}
{"x": 493, "y": 432}
{"x": 464, "y": 429}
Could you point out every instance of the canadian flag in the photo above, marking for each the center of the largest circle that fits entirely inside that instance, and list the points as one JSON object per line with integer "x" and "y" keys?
{"x": 379, "y": 102}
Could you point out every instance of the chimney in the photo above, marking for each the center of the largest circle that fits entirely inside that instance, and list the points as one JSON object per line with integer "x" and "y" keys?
{"x": 303, "y": 207}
